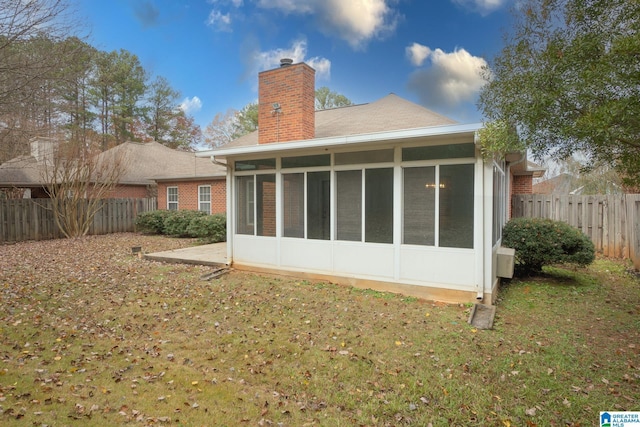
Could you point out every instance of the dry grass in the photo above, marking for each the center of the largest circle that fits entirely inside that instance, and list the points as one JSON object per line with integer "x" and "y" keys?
{"x": 91, "y": 335}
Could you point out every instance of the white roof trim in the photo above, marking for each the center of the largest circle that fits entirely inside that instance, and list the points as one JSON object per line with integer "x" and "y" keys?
{"x": 344, "y": 140}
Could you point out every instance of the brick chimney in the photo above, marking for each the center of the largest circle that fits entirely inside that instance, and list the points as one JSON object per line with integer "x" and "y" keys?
{"x": 286, "y": 97}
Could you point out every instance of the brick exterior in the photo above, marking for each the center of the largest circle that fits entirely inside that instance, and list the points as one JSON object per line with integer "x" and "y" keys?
{"x": 522, "y": 184}
{"x": 188, "y": 194}
{"x": 131, "y": 192}
{"x": 293, "y": 87}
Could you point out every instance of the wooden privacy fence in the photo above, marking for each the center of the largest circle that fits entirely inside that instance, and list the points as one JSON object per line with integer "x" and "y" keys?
{"x": 32, "y": 219}
{"x": 612, "y": 222}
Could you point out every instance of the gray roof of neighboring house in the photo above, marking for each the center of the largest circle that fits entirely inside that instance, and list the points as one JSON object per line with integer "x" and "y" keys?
{"x": 144, "y": 163}
{"x": 147, "y": 162}
{"x": 386, "y": 114}
{"x": 22, "y": 171}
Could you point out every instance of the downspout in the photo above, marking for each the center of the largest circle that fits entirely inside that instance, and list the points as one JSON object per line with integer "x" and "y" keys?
{"x": 218, "y": 162}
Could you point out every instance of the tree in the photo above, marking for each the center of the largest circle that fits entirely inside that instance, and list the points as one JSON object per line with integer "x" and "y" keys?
{"x": 29, "y": 60}
{"x": 598, "y": 178}
{"x": 568, "y": 81}
{"x": 161, "y": 101}
{"x": 224, "y": 128}
{"x": 221, "y": 129}
{"x": 117, "y": 88}
{"x": 185, "y": 133}
{"x": 73, "y": 91}
{"x": 247, "y": 120}
{"x": 77, "y": 178}
{"x": 326, "y": 98}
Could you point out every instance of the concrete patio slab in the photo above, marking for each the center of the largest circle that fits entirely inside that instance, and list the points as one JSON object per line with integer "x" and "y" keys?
{"x": 214, "y": 254}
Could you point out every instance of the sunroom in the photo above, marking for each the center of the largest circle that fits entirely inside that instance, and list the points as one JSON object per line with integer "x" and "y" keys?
{"x": 416, "y": 211}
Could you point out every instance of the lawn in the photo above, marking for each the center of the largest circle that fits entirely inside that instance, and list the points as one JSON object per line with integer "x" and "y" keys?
{"x": 91, "y": 335}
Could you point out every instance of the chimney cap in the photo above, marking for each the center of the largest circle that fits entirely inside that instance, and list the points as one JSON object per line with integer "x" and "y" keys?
{"x": 285, "y": 62}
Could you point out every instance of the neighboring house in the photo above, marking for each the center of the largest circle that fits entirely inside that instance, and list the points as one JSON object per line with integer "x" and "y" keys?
{"x": 180, "y": 179}
{"x": 21, "y": 177}
{"x": 148, "y": 168}
{"x": 386, "y": 195}
{"x": 522, "y": 173}
{"x": 561, "y": 184}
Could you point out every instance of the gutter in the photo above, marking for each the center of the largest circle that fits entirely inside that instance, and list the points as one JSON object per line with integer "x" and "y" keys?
{"x": 346, "y": 140}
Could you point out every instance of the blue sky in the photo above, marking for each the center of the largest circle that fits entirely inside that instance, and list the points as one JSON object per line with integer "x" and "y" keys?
{"x": 428, "y": 52}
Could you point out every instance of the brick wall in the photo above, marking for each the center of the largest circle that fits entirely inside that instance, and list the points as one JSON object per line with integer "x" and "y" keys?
{"x": 522, "y": 184}
{"x": 130, "y": 191}
{"x": 293, "y": 88}
{"x": 188, "y": 194}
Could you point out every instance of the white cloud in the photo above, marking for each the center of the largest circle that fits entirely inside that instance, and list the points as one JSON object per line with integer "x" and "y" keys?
{"x": 191, "y": 105}
{"x": 483, "y": 7}
{"x": 451, "y": 78}
{"x": 267, "y": 60}
{"x": 355, "y": 21}
{"x": 219, "y": 21}
{"x": 417, "y": 53}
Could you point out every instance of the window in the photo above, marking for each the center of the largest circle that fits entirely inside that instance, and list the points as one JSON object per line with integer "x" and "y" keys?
{"x": 456, "y": 206}
{"x": 172, "y": 198}
{"x": 259, "y": 164}
{"x": 246, "y": 205}
{"x": 318, "y": 205}
{"x": 360, "y": 157}
{"x": 443, "y": 193}
{"x": 204, "y": 198}
{"x": 377, "y": 216}
{"x": 448, "y": 151}
{"x": 256, "y": 198}
{"x": 419, "y": 191}
{"x": 306, "y": 161}
{"x": 293, "y": 204}
{"x": 349, "y": 205}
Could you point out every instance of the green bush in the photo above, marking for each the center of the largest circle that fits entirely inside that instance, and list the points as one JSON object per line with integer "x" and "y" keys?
{"x": 209, "y": 228}
{"x": 540, "y": 242}
{"x": 177, "y": 223}
{"x": 152, "y": 222}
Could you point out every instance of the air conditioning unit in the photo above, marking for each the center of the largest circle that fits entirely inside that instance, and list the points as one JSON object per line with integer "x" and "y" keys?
{"x": 506, "y": 259}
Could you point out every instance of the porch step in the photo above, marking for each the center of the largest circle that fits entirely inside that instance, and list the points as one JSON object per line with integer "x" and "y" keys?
{"x": 482, "y": 316}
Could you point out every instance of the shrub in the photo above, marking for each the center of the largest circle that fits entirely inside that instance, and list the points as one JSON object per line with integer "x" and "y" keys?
{"x": 152, "y": 222}
{"x": 540, "y": 242}
{"x": 177, "y": 223}
{"x": 209, "y": 228}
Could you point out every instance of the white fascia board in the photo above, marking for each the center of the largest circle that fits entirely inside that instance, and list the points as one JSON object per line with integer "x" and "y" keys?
{"x": 386, "y": 136}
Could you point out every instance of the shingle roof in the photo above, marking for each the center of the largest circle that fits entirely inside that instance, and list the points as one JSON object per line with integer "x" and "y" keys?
{"x": 146, "y": 162}
{"x": 389, "y": 113}
{"x": 23, "y": 171}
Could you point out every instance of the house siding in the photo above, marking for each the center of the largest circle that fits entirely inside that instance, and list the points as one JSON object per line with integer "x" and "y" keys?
{"x": 188, "y": 194}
